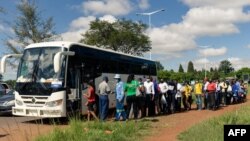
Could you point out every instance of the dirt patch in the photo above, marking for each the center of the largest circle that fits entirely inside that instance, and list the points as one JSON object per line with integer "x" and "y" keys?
{"x": 25, "y": 131}
{"x": 170, "y": 126}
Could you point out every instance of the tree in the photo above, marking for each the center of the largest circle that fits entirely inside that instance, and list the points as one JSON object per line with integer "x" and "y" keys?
{"x": 181, "y": 68}
{"x": 29, "y": 27}
{"x": 163, "y": 74}
{"x": 159, "y": 66}
{"x": 215, "y": 74}
{"x": 241, "y": 72}
{"x": 211, "y": 69}
{"x": 12, "y": 83}
{"x": 226, "y": 67}
{"x": 123, "y": 36}
{"x": 190, "y": 68}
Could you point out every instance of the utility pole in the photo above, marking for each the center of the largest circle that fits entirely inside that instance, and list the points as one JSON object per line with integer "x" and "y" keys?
{"x": 149, "y": 19}
{"x": 204, "y": 47}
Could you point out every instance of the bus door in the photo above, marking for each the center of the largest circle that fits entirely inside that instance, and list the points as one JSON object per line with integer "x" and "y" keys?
{"x": 77, "y": 106}
{"x": 87, "y": 74}
{"x": 76, "y": 102}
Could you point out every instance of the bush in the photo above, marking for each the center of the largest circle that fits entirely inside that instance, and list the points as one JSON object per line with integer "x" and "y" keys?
{"x": 98, "y": 131}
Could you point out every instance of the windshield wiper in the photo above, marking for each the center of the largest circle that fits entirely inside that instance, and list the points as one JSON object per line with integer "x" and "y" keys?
{"x": 34, "y": 74}
{"x": 35, "y": 71}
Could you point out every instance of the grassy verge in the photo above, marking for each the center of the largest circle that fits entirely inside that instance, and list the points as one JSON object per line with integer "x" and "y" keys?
{"x": 98, "y": 131}
{"x": 212, "y": 130}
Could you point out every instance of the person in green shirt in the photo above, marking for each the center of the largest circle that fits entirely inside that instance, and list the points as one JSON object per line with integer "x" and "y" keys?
{"x": 130, "y": 89}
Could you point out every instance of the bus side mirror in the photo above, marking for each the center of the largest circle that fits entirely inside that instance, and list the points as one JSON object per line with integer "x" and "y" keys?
{"x": 57, "y": 59}
{"x": 3, "y": 60}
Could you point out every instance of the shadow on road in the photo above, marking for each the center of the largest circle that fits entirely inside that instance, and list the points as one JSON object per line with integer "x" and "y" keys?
{"x": 3, "y": 135}
{"x": 150, "y": 119}
{"x": 49, "y": 121}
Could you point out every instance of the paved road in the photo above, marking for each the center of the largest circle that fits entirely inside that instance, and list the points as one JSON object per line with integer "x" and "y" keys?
{"x": 23, "y": 128}
{"x": 10, "y": 121}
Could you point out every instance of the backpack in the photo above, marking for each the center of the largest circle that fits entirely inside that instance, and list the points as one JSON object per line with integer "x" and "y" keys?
{"x": 142, "y": 89}
{"x": 211, "y": 87}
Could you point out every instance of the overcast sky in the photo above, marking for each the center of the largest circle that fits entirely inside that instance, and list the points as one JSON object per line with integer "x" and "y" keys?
{"x": 202, "y": 31}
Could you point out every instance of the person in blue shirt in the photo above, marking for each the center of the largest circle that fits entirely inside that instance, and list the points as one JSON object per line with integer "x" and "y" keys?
{"x": 119, "y": 91}
{"x": 235, "y": 90}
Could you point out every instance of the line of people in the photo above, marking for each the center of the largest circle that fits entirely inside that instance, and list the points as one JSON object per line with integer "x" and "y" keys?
{"x": 149, "y": 98}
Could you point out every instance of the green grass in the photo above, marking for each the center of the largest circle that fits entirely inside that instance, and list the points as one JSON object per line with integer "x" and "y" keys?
{"x": 98, "y": 131}
{"x": 212, "y": 130}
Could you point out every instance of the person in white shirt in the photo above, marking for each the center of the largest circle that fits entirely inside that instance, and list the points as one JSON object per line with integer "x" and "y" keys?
{"x": 218, "y": 94}
{"x": 178, "y": 97}
{"x": 149, "y": 90}
{"x": 205, "y": 92}
{"x": 163, "y": 86}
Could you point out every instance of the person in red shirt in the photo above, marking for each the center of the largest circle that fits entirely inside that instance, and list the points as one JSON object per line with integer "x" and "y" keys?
{"x": 90, "y": 95}
{"x": 211, "y": 89}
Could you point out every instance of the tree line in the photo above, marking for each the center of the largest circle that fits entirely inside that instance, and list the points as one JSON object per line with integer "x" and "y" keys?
{"x": 224, "y": 71}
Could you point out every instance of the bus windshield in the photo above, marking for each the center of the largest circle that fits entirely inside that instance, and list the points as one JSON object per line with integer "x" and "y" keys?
{"x": 36, "y": 65}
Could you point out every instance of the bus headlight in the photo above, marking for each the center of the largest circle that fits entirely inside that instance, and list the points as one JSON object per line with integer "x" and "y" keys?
{"x": 54, "y": 103}
{"x": 9, "y": 103}
{"x": 19, "y": 103}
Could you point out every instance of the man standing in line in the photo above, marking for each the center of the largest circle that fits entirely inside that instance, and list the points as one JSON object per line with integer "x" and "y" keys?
{"x": 178, "y": 96}
{"x": 90, "y": 95}
{"x": 223, "y": 86}
{"x": 217, "y": 94}
{"x": 171, "y": 96}
{"x": 185, "y": 96}
{"x": 198, "y": 92}
{"x": 104, "y": 90}
{"x": 163, "y": 93}
{"x": 149, "y": 86}
{"x": 156, "y": 97}
{"x": 130, "y": 89}
{"x": 206, "y": 82}
{"x": 211, "y": 88}
{"x": 141, "y": 99}
{"x": 119, "y": 91}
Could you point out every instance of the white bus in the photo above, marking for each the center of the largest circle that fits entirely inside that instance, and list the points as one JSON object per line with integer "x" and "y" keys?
{"x": 51, "y": 76}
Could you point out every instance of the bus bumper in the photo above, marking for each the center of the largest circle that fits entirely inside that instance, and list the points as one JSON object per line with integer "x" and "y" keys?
{"x": 38, "y": 112}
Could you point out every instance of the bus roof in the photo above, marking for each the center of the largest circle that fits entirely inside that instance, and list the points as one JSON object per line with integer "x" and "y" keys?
{"x": 67, "y": 44}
